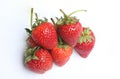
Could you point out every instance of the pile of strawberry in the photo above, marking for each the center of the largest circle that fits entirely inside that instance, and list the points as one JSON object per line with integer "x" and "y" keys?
{"x": 50, "y": 42}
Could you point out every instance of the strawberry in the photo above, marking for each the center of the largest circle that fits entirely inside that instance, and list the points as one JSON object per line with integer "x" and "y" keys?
{"x": 86, "y": 43}
{"x": 45, "y": 35}
{"x": 69, "y": 28}
{"x": 42, "y": 32}
{"x": 31, "y": 42}
{"x": 61, "y": 54}
{"x": 38, "y": 60}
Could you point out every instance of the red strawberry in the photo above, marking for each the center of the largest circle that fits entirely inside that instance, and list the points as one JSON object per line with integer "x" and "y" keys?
{"x": 31, "y": 42}
{"x": 43, "y": 32}
{"x": 38, "y": 60}
{"x": 69, "y": 28}
{"x": 45, "y": 35}
{"x": 61, "y": 54}
{"x": 86, "y": 43}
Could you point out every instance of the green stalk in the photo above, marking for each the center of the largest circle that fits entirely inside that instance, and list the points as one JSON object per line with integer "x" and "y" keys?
{"x": 63, "y": 13}
{"x": 37, "y": 19}
{"x": 60, "y": 40}
{"x": 77, "y": 11}
{"x": 31, "y": 17}
{"x": 54, "y": 23}
{"x": 57, "y": 18}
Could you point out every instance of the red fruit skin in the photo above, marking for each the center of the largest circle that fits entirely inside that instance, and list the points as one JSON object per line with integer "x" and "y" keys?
{"x": 43, "y": 64}
{"x": 45, "y": 35}
{"x": 61, "y": 55}
{"x": 85, "y": 48}
{"x": 31, "y": 42}
{"x": 70, "y": 33}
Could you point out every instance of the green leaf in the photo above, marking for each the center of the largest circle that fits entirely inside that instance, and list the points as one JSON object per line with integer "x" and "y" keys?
{"x": 35, "y": 57}
{"x": 87, "y": 31}
{"x": 45, "y": 19}
{"x": 29, "y": 51}
{"x": 35, "y": 48}
{"x": 34, "y": 25}
{"x": 25, "y": 54}
{"x": 28, "y": 30}
{"x": 85, "y": 36}
{"x": 89, "y": 38}
{"x": 80, "y": 40}
{"x": 59, "y": 22}
{"x": 27, "y": 59}
{"x": 84, "y": 39}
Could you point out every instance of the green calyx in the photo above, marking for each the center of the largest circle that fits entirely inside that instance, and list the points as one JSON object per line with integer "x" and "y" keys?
{"x": 30, "y": 54}
{"x": 28, "y": 31}
{"x": 85, "y": 37}
{"x": 68, "y": 19}
{"x": 63, "y": 46}
{"x": 36, "y": 22}
{"x": 61, "y": 43}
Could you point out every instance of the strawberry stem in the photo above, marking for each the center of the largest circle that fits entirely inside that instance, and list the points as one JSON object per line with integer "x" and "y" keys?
{"x": 57, "y": 18}
{"x": 63, "y": 13}
{"x": 53, "y": 23}
{"x": 31, "y": 17}
{"x": 37, "y": 19}
{"x": 76, "y": 12}
{"x": 60, "y": 40}
{"x": 67, "y": 19}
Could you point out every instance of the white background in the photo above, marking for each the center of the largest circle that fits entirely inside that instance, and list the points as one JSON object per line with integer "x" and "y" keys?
{"x": 103, "y": 17}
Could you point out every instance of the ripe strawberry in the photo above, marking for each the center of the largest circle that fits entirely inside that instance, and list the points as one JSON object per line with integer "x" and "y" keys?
{"x": 38, "y": 60}
{"x": 45, "y": 35}
{"x": 31, "y": 42}
{"x": 86, "y": 43}
{"x": 61, "y": 54}
{"x": 42, "y": 32}
{"x": 69, "y": 28}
